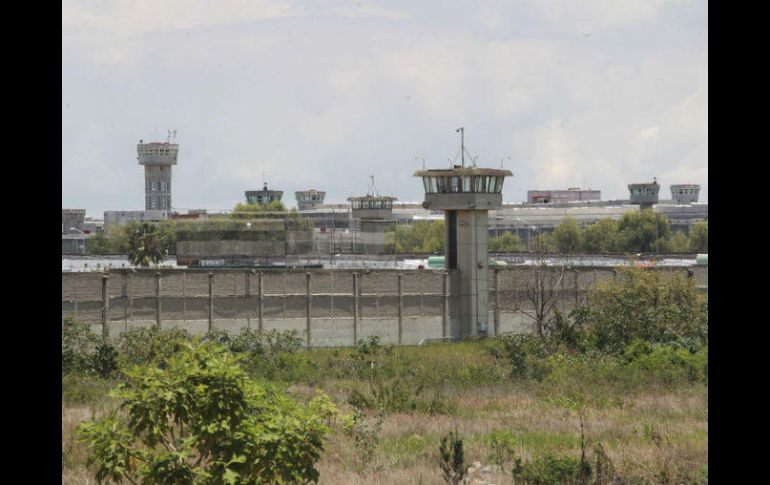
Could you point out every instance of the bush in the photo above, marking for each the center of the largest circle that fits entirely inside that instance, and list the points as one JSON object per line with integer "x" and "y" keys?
{"x": 77, "y": 346}
{"x": 647, "y": 305}
{"x": 667, "y": 362}
{"x": 550, "y": 470}
{"x": 140, "y": 346}
{"x": 452, "y": 458}
{"x": 202, "y": 420}
{"x": 524, "y": 353}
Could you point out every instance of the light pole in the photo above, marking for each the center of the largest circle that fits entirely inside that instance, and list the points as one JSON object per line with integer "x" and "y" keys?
{"x": 530, "y": 228}
{"x": 82, "y": 240}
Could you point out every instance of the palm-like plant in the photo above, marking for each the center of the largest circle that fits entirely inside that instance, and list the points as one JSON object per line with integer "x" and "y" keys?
{"x": 144, "y": 246}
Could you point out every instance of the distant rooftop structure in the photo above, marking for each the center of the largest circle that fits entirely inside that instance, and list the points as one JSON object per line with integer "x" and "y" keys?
{"x": 264, "y": 196}
{"x": 644, "y": 194}
{"x": 72, "y": 220}
{"x": 557, "y": 196}
{"x": 685, "y": 193}
{"x": 158, "y": 158}
{"x": 309, "y": 199}
{"x": 371, "y": 205}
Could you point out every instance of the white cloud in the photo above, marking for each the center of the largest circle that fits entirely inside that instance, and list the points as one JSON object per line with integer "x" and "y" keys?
{"x": 323, "y": 96}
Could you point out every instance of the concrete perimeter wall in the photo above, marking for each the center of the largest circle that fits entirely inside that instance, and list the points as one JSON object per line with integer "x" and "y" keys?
{"x": 335, "y": 315}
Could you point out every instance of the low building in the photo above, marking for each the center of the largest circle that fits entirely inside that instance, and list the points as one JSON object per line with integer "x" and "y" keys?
{"x": 72, "y": 220}
{"x": 116, "y": 219}
{"x": 572, "y": 194}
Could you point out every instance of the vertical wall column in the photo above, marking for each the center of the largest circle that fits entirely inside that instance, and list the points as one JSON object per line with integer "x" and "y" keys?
{"x": 309, "y": 307}
{"x": 355, "y": 309}
{"x": 260, "y": 302}
{"x": 126, "y": 300}
{"x": 211, "y": 301}
{"x": 497, "y": 302}
{"x": 400, "y": 309}
{"x": 445, "y": 312}
{"x": 105, "y": 308}
{"x": 248, "y": 295}
{"x": 157, "y": 300}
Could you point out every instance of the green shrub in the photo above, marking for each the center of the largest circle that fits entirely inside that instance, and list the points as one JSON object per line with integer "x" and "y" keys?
{"x": 77, "y": 346}
{"x": 502, "y": 445}
{"x": 200, "y": 419}
{"x": 452, "y": 458}
{"x": 550, "y": 470}
{"x": 668, "y": 363}
{"x": 647, "y": 305}
{"x": 148, "y": 345}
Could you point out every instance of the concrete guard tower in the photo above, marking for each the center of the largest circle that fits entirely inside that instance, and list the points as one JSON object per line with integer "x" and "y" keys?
{"x": 309, "y": 199}
{"x": 375, "y": 212}
{"x": 466, "y": 195}
{"x": 645, "y": 195}
{"x": 157, "y": 158}
{"x": 264, "y": 196}
{"x": 685, "y": 193}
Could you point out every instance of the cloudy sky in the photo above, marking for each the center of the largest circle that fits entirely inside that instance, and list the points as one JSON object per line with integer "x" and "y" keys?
{"x": 322, "y": 94}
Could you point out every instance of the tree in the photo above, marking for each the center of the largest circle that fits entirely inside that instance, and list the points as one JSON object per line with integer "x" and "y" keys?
{"x": 567, "y": 236}
{"x": 699, "y": 237}
{"x": 648, "y": 305}
{"x": 145, "y": 245}
{"x": 250, "y": 210}
{"x": 644, "y": 231}
{"x": 420, "y": 237}
{"x": 507, "y": 242}
{"x": 680, "y": 243}
{"x": 202, "y": 420}
{"x": 543, "y": 292}
{"x": 601, "y": 236}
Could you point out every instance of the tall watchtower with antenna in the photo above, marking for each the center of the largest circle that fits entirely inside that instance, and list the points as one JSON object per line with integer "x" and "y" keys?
{"x": 374, "y": 212}
{"x": 466, "y": 194}
{"x": 158, "y": 158}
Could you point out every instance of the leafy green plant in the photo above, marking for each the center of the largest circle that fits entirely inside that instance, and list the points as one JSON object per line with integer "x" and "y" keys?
{"x": 145, "y": 246}
{"x": 202, "y": 420}
{"x": 648, "y": 305}
{"x": 452, "y": 458}
{"x": 105, "y": 359}
{"x": 77, "y": 346}
{"x": 550, "y": 469}
{"x": 148, "y": 345}
{"x": 366, "y": 438}
{"x": 502, "y": 445}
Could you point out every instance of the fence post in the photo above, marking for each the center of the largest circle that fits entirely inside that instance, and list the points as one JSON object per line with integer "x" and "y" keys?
{"x": 400, "y": 309}
{"x": 260, "y": 301}
{"x": 124, "y": 294}
{"x": 445, "y": 313}
{"x": 248, "y": 296}
{"x": 309, "y": 306}
{"x": 105, "y": 307}
{"x": 184, "y": 296}
{"x": 157, "y": 300}
{"x": 355, "y": 309}
{"x": 497, "y": 302}
{"x": 211, "y": 301}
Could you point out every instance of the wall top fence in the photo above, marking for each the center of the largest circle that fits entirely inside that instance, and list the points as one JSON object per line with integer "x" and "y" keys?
{"x": 326, "y": 271}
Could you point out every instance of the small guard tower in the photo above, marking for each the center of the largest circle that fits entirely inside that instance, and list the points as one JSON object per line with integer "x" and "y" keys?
{"x": 264, "y": 196}
{"x": 466, "y": 195}
{"x": 309, "y": 199}
{"x": 157, "y": 158}
{"x": 685, "y": 193}
{"x": 375, "y": 212}
{"x": 645, "y": 195}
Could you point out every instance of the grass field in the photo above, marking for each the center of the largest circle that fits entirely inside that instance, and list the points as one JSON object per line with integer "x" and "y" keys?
{"x": 652, "y": 424}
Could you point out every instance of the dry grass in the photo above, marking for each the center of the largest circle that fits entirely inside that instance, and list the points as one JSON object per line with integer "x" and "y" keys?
{"x": 655, "y": 435}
